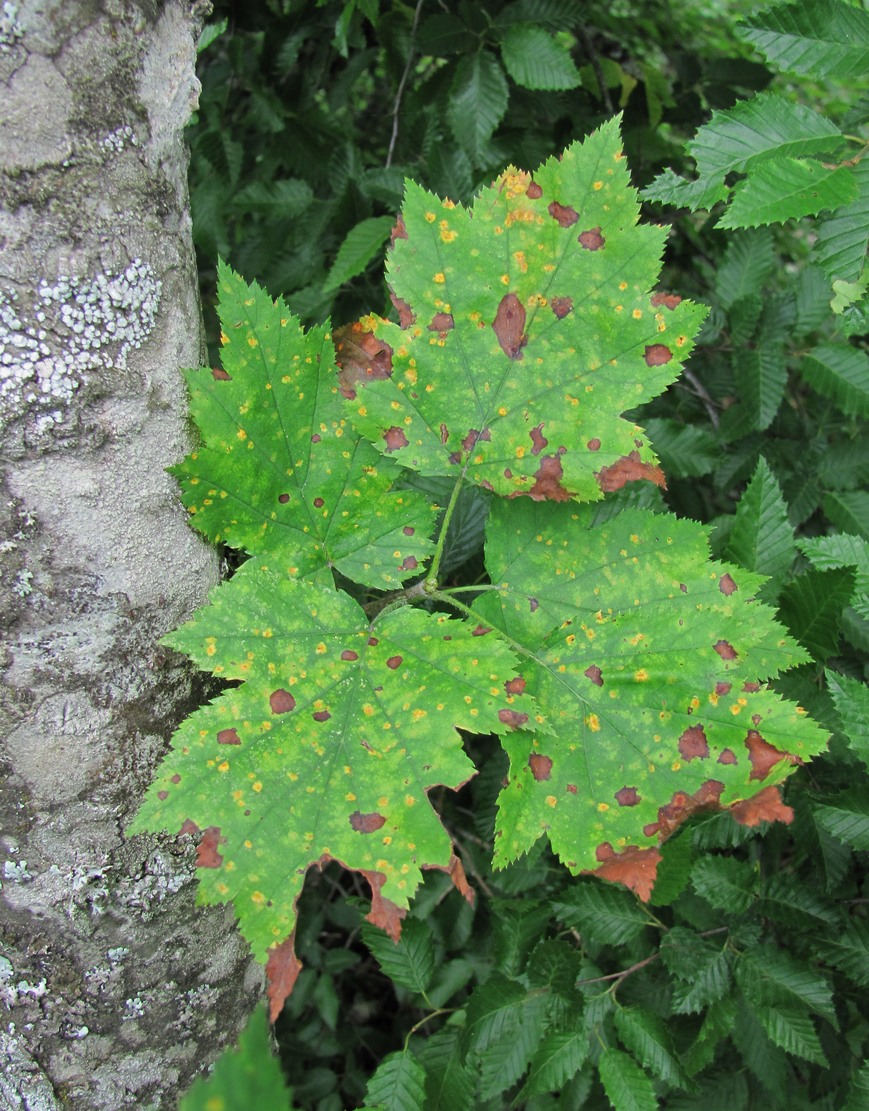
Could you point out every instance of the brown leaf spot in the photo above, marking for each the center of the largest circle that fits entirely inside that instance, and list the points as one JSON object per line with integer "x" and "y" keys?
{"x": 442, "y": 322}
{"x": 220, "y": 375}
{"x": 406, "y": 315}
{"x": 763, "y": 756}
{"x": 693, "y": 744}
{"x": 455, "y": 457}
{"x": 563, "y": 214}
{"x": 538, "y": 440}
{"x": 366, "y": 823}
{"x": 318, "y": 503}
{"x": 176, "y": 778}
{"x": 728, "y": 756}
{"x": 751, "y": 688}
{"x": 409, "y": 563}
{"x": 445, "y": 433}
{"x": 509, "y": 326}
{"x": 725, "y": 650}
{"x": 668, "y": 300}
{"x": 321, "y": 715}
{"x": 571, "y": 787}
{"x": 373, "y": 642}
{"x": 533, "y": 192}
{"x": 540, "y": 765}
{"x": 627, "y": 796}
{"x": 592, "y": 239}
{"x": 547, "y": 482}
{"x": 282, "y": 971}
{"x": 561, "y": 306}
{"x": 399, "y": 230}
{"x": 657, "y": 354}
{"x": 281, "y": 701}
{"x": 682, "y": 805}
{"x": 515, "y": 686}
{"x": 384, "y": 913}
{"x": 723, "y": 688}
{"x": 228, "y": 737}
{"x": 726, "y": 585}
{"x": 349, "y": 654}
{"x": 361, "y": 357}
{"x": 207, "y": 855}
{"x": 394, "y": 438}
{"x": 162, "y": 795}
{"x": 512, "y": 718}
{"x": 634, "y": 867}
{"x": 315, "y": 439}
{"x": 480, "y": 631}
{"x": 683, "y": 588}
{"x": 593, "y": 444}
{"x": 765, "y": 806}
{"x": 533, "y": 604}
{"x": 594, "y": 673}
{"x": 283, "y": 498}
{"x": 628, "y": 469}
{"x": 408, "y": 530}
{"x": 474, "y": 436}
{"x": 394, "y": 662}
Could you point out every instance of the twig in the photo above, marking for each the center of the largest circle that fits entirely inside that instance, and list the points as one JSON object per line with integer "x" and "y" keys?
{"x": 701, "y": 392}
{"x": 401, "y": 84}
{"x": 625, "y": 972}
{"x": 591, "y": 54}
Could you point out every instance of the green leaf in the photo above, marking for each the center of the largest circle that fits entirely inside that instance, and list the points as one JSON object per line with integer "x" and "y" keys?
{"x": 264, "y": 482}
{"x": 848, "y": 296}
{"x": 748, "y": 263}
{"x": 274, "y": 200}
{"x": 716, "y": 1026}
{"x": 847, "y": 949}
{"x": 478, "y": 101}
{"x": 410, "y": 961}
{"x": 841, "y": 373}
{"x": 846, "y": 817}
{"x": 792, "y": 1031}
{"x": 757, "y": 1051}
{"x": 646, "y": 1035}
{"x": 248, "y": 1076}
{"x": 464, "y": 394}
{"x": 773, "y": 976}
{"x": 840, "y": 249}
{"x": 518, "y": 925}
{"x": 762, "y": 539}
{"x": 849, "y": 509}
{"x": 492, "y": 1012}
{"x": 787, "y": 899}
{"x": 397, "y": 1085}
{"x": 556, "y": 15}
{"x": 725, "y": 882}
{"x": 685, "y": 450}
{"x": 851, "y": 698}
{"x": 607, "y": 914}
{"x": 817, "y": 38}
{"x": 363, "y": 243}
{"x": 504, "y": 1061}
{"x": 768, "y": 126}
{"x": 811, "y": 606}
{"x": 788, "y": 189}
{"x": 840, "y": 550}
{"x": 326, "y": 750}
{"x": 449, "y": 1085}
{"x": 609, "y": 614}
{"x": 858, "y": 1093}
{"x": 669, "y": 188}
{"x": 674, "y": 870}
{"x": 626, "y": 1085}
{"x": 535, "y": 59}
{"x": 559, "y": 1057}
{"x": 761, "y": 376}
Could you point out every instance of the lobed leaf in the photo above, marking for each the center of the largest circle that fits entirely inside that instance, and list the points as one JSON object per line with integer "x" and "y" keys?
{"x": 817, "y": 38}
{"x": 327, "y": 749}
{"x": 528, "y": 328}
{"x": 646, "y": 661}
{"x": 282, "y": 472}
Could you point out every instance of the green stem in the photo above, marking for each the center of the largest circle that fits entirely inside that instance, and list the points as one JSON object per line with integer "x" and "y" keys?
{"x": 431, "y": 579}
{"x": 447, "y": 596}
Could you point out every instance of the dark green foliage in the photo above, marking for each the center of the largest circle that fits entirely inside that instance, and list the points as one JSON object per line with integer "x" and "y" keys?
{"x": 743, "y": 982}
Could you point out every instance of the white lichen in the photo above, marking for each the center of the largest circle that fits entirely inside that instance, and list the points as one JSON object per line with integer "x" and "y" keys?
{"x": 133, "y": 1008}
{"x": 23, "y": 584}
{"x": 15, "y": 871}
{"x": 97, "y": 322}
{"x": 118, "y": 139}
{"x": 10, "y": 28}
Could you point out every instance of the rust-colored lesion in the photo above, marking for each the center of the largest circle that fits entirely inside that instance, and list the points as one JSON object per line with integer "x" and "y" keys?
{"x": 509, "y": 326}
{"x": 630, "y": 468}
{"x": 361, "y": 357}
{"x": 634, "y": 867}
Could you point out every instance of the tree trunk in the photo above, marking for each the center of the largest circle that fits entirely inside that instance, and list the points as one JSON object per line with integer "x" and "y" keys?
{"x": 119, "y": 990}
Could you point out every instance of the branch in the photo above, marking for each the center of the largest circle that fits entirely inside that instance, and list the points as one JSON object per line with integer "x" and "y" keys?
{"x": 400, "y": 93}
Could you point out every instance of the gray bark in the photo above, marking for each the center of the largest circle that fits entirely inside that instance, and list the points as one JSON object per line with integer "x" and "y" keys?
{"x": 114, "y": 988}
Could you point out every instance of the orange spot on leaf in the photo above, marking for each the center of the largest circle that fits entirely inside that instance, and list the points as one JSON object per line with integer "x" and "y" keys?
{"x": 765, "y": 806}
{"x": 628, "y": 469}
{"x": 636, "y": 868}
{"x": 282, "y": 971}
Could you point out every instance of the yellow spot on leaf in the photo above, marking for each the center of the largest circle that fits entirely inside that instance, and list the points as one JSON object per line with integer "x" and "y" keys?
{"x": 593, "y": 722}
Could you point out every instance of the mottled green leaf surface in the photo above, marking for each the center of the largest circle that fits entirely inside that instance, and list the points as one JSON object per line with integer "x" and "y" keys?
{"x": 530, "y": 327}
{"x": 282, "y": 470}
{"x": 647, "y": 661}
